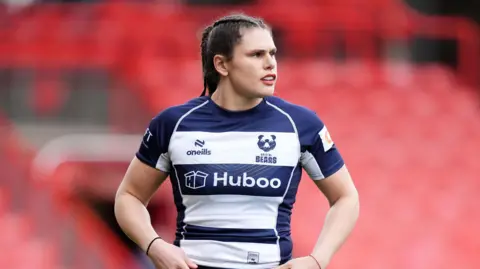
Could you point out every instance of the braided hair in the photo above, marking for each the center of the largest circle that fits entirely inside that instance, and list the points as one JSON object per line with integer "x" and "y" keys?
{"x": 221, "y": 38}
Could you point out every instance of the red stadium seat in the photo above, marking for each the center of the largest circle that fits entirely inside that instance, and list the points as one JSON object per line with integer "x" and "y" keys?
{"x": 4, "y": 200}
{"x": 16, "y": 229}
{"x": 31, "y": 252}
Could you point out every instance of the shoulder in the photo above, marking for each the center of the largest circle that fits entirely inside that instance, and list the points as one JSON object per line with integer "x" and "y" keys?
{"x": 171, "y": 115}
{"x": 304, "y": 118}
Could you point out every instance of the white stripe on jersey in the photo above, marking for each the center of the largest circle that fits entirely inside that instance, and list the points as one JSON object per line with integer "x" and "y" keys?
{"x": 215, "y": 253}
{"x": 289, "y": 118}
{"x": 233, "y": 148}
{"x": 298, "y": 149}
{"x": 232, "y": 211}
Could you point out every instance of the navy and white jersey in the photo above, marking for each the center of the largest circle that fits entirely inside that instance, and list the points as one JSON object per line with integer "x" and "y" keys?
{"x": 235, "y": 176}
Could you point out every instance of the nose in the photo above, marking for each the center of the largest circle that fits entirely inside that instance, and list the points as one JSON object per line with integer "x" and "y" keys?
{"x": 270, "y": 62}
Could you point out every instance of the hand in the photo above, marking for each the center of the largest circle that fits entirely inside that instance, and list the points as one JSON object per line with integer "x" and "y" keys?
{"x": 300, "y": 263}
{"x": 168, "y": 256}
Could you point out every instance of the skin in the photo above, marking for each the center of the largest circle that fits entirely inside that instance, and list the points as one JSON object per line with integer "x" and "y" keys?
{"x": 240, "y": 88}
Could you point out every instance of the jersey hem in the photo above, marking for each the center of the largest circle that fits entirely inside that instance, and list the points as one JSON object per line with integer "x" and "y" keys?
{"x": 207, "y": 265}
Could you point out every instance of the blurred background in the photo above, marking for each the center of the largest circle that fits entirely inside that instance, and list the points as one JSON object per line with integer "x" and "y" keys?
{"x": 397, "y": 82}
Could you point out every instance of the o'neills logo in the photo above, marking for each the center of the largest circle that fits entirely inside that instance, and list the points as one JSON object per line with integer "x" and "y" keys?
{"x": 199, "y": 152}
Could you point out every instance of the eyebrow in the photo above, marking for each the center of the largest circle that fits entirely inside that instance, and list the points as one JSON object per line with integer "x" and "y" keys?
{"x": 262, "y": 50}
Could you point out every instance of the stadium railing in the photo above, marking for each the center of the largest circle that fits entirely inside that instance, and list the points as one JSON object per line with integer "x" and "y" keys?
{"x": 48, "y": 215}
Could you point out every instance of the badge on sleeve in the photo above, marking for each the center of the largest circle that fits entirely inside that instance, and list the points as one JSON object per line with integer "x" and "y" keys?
{"x": 326, "y": 139}
{"x": 146, "y": 137}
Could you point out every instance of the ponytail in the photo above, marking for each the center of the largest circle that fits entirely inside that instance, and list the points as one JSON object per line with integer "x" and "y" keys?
{"x": 204, "y": 51}
{"x": 222, "y": 41}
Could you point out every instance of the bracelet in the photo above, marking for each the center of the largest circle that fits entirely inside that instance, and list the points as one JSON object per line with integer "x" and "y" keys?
{"x": 315, "y": 259}
{"x": 151, "y": 242}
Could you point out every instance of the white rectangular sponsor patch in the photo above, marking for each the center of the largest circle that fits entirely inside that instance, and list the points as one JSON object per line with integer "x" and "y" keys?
{"x": 326, "y": 139}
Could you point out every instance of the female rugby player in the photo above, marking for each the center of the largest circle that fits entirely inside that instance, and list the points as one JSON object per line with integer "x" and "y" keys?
{"x": 235, "y": 158}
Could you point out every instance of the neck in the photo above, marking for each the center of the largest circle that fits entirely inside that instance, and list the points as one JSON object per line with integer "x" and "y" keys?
{"x": 228, "y": 99}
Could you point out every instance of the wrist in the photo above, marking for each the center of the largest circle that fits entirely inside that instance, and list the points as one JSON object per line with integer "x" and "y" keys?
{"x": 155, "y": 240}
{"x": 146, "y": 238}
{"x": 316, "y": 261}
{"x": 323, "y": 259}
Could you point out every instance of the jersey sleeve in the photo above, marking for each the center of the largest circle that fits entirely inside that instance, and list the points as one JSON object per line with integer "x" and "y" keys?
{"x": 320, "y": 157}
{"x": 153, "y": 150}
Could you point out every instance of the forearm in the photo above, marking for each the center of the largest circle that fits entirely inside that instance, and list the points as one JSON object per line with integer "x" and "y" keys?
{"x": 134, "y": 219}
{"x": 339, "y": 223}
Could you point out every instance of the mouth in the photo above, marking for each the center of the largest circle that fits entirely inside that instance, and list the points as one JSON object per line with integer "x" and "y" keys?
{"x": 269, "y": 79}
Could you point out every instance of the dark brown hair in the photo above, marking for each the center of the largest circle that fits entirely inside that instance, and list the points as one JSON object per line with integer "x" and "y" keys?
{"x": 221, "y": 38}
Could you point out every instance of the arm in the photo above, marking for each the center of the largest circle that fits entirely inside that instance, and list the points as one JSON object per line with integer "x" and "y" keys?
{"x": 138, "y": 186}
{"x": 325, "y": 166}
{"x": 147, "y": 171}
{"x": 342, "y": 216}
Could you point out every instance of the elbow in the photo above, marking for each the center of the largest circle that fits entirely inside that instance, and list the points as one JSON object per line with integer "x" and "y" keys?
{"x": 122, "y": 202}
{"x": 119, "y": 196}
{"x": 350, "y": 200}
{"x": 125, "y": 195}
{"x": 355, "y": 198}
{"x": 349, "y": 206}
{"x": 357, "y": 205}
{"x": 354, "y": 201}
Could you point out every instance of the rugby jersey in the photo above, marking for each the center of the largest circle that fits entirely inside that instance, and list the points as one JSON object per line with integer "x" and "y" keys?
{"x": 235, "y": 176}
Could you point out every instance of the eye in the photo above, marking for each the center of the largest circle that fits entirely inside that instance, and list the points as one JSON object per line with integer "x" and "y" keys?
{"x": 258, "y": 54}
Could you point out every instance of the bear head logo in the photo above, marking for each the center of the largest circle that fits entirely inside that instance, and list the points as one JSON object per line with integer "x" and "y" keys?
{"x": 267, "y": 143}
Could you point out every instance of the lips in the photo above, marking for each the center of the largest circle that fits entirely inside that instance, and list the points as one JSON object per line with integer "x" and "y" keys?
{"x": 269, "y": 77}
{"x": 269, "y": 80}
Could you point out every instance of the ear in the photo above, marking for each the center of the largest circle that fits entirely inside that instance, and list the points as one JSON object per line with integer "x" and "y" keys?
{"x": 260, "y": 137}
{"x": 220, "y": 63}
{"x": 274, "y": 137}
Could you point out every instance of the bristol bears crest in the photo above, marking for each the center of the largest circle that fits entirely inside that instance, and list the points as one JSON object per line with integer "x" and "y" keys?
{"x": 267, "y": 143}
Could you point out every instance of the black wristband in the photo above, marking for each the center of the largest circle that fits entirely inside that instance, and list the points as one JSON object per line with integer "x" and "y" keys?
{"x": 151, "y": 242}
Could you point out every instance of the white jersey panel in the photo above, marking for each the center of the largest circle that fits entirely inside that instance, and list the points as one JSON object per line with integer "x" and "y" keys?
{"x": 232, "y": 211}
{"x": 276, "y": 149}
{"x": 216, "y": 254}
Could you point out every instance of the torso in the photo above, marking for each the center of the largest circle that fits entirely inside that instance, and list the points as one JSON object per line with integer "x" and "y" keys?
{"x": 235, "y": 177}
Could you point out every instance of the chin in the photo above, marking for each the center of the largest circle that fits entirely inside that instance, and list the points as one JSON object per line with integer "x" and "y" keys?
{"x": 266, "y": 91}
{"x": 260, "y": 92}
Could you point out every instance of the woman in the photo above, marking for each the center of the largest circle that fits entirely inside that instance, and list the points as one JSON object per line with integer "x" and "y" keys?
{"x": 235, "y": 159}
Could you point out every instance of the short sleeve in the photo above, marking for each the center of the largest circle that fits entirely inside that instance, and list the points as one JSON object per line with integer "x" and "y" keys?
{"x": 153, "y": 150}
{"x": 320, "y": 157}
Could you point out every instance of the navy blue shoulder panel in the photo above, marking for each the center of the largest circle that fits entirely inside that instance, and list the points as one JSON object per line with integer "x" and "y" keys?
{"x": 156, "y": 138}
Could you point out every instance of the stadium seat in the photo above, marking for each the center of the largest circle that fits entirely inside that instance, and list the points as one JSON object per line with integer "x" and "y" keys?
{"x": 30, "y": 252}
{"x": 416, "y": 174}
{"x": 4, "y": 200}
{"x": 16, "y": 227}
